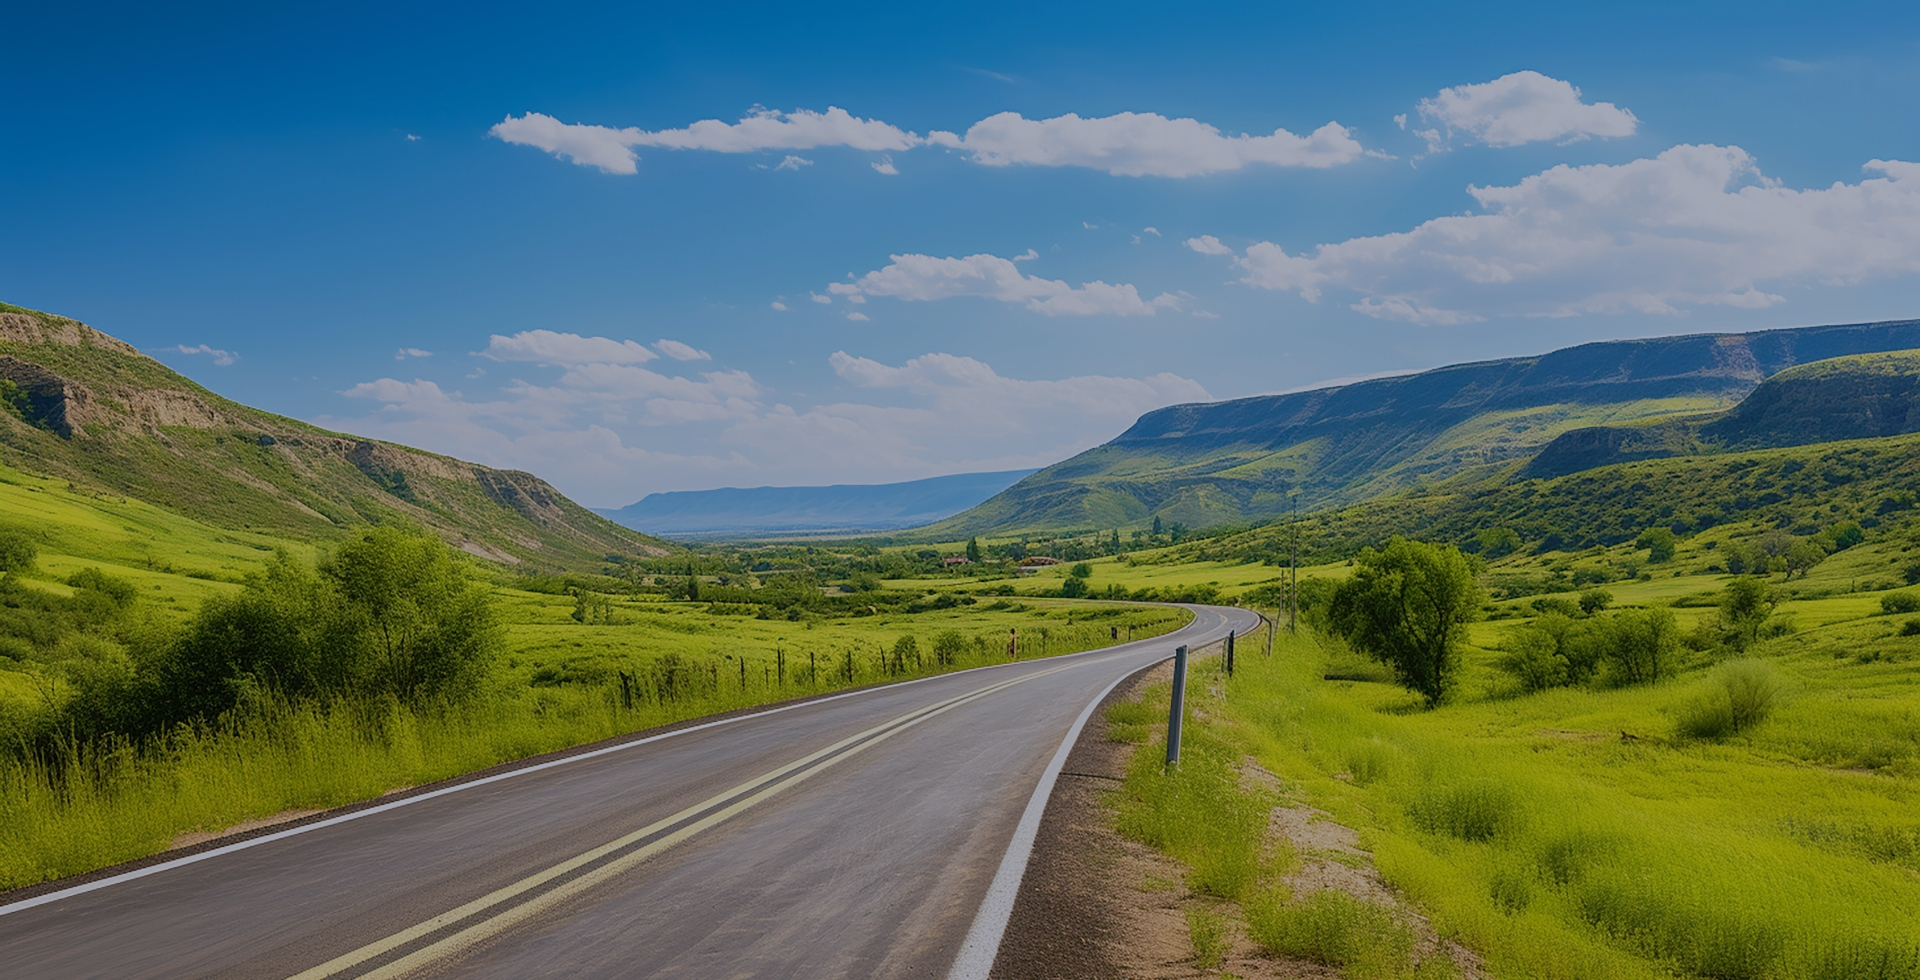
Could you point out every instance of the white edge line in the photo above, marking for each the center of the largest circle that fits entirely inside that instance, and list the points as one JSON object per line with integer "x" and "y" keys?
{"x": 64, "y": 893}
{"x": 982, "y": 945}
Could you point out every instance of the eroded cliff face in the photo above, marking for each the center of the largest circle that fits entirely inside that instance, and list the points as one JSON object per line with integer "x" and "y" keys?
{"x": 90, "y": 408}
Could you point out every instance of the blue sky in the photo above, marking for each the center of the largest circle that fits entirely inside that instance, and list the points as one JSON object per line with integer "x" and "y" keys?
{"x": 497, "y": 232}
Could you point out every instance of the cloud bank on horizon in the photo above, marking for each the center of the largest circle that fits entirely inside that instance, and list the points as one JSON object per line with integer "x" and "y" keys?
{"x": 932, "y": 415}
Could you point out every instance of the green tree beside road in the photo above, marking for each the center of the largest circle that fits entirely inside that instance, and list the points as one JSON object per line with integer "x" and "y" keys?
{"x": 1408, "y": 606}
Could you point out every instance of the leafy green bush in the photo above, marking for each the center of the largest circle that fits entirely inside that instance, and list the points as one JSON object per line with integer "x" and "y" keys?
{"x": 1740, "y": 695}
{"x": 1900, "y": 602}
{"x": 17, "y": 550}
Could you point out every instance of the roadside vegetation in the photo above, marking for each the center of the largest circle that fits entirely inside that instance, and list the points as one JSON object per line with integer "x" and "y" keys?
{"x": 159, "y": 677}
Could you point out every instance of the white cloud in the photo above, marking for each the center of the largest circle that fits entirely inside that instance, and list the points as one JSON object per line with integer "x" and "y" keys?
{"x": 821, "y": 299}
{"x": 406, "y": 352}
{"x": 1143, "y": 144}
{"x": 220, "y": 357}
{"x": 1150, "y": 230}
{"x": 681, "y": 352}
{"x": 858, "y": 317}
{"x": 763, "y": 129}
{"x": 793, "y": 163}
{"x": 1208, "y": 245}
{"x": 548, "y": 347}
{"x": 925, "y": 277}
{"x": 588, "y": 146}
{"x": 1694, "y": 226}
{"x": 609, "y": 433}
{"x": 1524, "y": 107}
{"x": 779, "y": 305}
{"x": 1128, "y": 144}
{"x": 949, "y": 414}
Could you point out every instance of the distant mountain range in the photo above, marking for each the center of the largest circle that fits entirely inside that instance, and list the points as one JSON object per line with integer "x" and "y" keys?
{"x": 841, "y": 508}
{"x": 1463, "y": 425}
{"x": 80, "y": 405}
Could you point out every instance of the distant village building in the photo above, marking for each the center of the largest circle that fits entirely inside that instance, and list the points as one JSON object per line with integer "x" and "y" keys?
{"x": 1038, "y": 560}
{"x": 953, "y": 560}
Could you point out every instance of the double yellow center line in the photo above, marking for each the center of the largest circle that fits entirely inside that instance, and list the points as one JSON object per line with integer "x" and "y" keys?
{"x": 495, "y": 912}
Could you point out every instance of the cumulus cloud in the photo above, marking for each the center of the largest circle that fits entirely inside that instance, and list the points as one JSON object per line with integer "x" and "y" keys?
{"x": 948, "y": 414}
{"x": 779, "y": 305}
{"x": 1524, "y": 107}
{"x": 406, "y": 352}
{"x": 611, "y": 149}
{"x": 1143, "y": 144}
{"x": 1208, "y": 245}
{"x": 858, "y": 317}
{"x": 683, "y": 352}
{"x": 607, "y": 433}
{"x": 220, "y": 357}
{"x": 926, "y": 277}
{"x": 1694, "y": 226}
{"x": 1128, "y": 144}
{"x": 549, "y": 347}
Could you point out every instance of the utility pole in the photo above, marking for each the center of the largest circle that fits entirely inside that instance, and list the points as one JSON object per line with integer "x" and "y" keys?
{"x": 1293, "y": 570}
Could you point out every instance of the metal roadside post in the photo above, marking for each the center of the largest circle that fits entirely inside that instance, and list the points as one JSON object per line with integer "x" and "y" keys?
{"x": 1179, "y": 702}
{"x": 1230, "y": 652}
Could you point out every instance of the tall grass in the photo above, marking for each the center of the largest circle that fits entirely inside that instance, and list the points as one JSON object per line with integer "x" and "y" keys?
{"x": 1568, "y": 855}
{"x": 96, "y": 804}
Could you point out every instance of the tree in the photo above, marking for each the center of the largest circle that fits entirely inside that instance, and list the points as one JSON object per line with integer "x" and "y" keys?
{"x": 1156, "y": 524}
{"x": 1408, "y": 605}
{"x": 1497, "y": 542}
{"x": 1081, "y": 570}
{"x": 1642, "y": 644}
{"x": 1595, "y": 600}
{"x": 425, "y": 624}
{"x": 1744, "y": 608}
{"x": 1073, "y": 588}
{"x": 17, "y": 551}
{"x": 1659, "y": 542}
{"x": 973, "y": 549}
{"x": 1802, "y": 555}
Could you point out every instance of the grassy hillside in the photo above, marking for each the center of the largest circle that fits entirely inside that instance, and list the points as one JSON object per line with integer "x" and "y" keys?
{"x": 80, "y": 405}
{"x": 1239, "y": 461}
{"x": 1854, "y": 397}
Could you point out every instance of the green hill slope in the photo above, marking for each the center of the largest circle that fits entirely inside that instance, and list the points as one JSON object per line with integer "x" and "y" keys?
{"x": 1224, "y": 462}
{"x": 81, "y": 405}
{"x": 1860, "y": 396}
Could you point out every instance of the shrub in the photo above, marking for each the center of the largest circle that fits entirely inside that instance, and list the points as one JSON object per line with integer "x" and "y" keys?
{"x": 1900, "y": 602}
{"x": 17, "y": 551}
{"x": 1332, "y": 928}
{"x": 1659, "y": 542}
{"x": 1594, "y": 601}
{"x": 1641, "y": 644}
{"x": 1207, "y": 930}
{"x": 1740, "y": 695}
{"x": 1477, "y": 808}
{"x": 1532, "y": 656}
{"x": 1912, "y": 628}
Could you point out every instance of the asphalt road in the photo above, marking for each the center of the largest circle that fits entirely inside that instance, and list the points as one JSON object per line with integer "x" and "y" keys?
{"x": 876, "y": 834}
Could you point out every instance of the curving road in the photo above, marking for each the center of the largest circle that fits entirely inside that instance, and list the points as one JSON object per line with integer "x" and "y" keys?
{"x": 880, "y": 833}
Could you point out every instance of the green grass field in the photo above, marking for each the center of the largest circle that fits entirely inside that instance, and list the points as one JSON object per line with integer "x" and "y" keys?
{"x": 1576, "y": 833}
